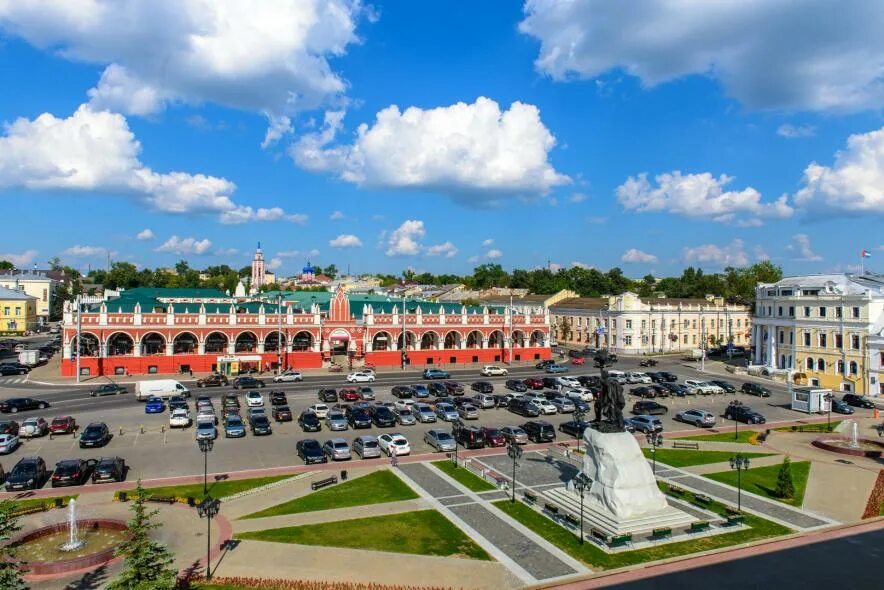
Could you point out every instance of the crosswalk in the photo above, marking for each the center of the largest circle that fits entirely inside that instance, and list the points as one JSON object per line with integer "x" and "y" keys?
{"x": 13, "y": 380}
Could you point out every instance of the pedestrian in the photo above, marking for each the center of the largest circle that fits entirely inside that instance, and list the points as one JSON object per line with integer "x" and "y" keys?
{"x": 191, "y": 373}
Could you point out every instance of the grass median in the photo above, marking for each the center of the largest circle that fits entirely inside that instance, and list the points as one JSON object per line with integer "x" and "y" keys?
{"x": 375, "y": 488}
{"x": 463, "y": 476}
{"x": 763, "y": 481}
{"x": 48, "y": 502}
{"x": 743, "y": 436}
{"x": 424, "y": 532}
{"x": 682, "y": 458}
{"x": 217, "y": 489}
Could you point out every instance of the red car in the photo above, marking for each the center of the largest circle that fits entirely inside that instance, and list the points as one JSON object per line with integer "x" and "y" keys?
{"x": 348, "y": 394}
{"x": 63, "y": 425}
{"x": 578, "y": 360}
{"x": 534, "y": 383}
{"x": 494, "y": 437}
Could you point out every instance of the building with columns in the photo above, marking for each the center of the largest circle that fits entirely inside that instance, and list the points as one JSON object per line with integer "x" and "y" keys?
{"x": 631, "y": 324}
{"x": 825, "y": 330}
{"x": 145, "y": 331}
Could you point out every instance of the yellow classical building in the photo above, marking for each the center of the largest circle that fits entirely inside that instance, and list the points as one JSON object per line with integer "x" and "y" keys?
{"x": 18, "y": 311}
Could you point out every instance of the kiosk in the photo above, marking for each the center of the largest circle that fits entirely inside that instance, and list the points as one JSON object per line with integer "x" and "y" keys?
{"x": 811, "y": 400}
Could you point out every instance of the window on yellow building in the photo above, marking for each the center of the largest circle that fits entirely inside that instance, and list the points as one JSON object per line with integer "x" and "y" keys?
{"x": 17, "y": 310}
{"x": 854, "y": 341}
{"x": 824, "y": 340}
{"x": 854, "y": 368}
{"x": 821, "y": 365}
{"x": 810, "y": 364}
{"x": 839, "y": 341}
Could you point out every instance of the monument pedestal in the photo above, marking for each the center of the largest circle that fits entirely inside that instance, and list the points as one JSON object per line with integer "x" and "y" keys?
{"x": 623, "y": 496}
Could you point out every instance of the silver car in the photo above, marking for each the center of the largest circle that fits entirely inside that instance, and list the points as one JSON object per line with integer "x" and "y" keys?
{"x": 366, "y": 393}
{"x": 405, "y": 417}
{"x": 337, "y": 449}
{"x": 367, "y": 447}
{"x": 424, "y": 413}
{"x": 468, "y": 412}
{"x": 447, "y": 412}
{"x": 563, "y": 405}
{"x": 484, "y": 401}
{"x": 441, "y": 440}
{"x": 336, "y": 421}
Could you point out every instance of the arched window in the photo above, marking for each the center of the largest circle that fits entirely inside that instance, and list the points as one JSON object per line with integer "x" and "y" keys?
{"x": 809, "y": 364}
{"x": 840, "y": 367}
{"x": 821, "y": 365}
{"x": 120, "y": 344}
{"x": 302, "y": 341}
{"x": 216, "y": 342}
{"x": 854, "y": 368}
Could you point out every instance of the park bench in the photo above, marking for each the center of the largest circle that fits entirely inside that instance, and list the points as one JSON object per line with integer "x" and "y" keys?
{"x": 529, "y": 496}
{"x": 322, "y": 483}
{"x": 734, "y": 519}
{"x": 162, "y": 499}
{"x": 684, "y": 444}
{"x": 675, "y": 490}
{"x": 661, "y": 533}
{"x": 620, "y": 540}
{"x": 551, "y": 508}
{"x": 700, "y": 498}
{"x": 572, "y": 519}
{"x": 699, "y": 527}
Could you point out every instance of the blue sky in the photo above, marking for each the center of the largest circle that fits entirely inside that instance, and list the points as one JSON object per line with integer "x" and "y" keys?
{"x": 583, "y": 132}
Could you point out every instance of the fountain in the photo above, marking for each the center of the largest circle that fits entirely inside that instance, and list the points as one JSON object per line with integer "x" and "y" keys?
{"x": 851, "y": 444}
{"x": 74, "y": 543}
{"x": 853, "y": 441}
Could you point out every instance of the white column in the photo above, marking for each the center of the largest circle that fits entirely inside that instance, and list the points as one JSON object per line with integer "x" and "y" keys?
{"x": 231, "y": 346}
{"x": 201, "y": 348}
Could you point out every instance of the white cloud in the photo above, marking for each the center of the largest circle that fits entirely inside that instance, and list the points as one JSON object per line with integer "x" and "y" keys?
{"x": 447, "y": 249}
{"x": 577, "y": 197}
{"x": 267, "y": 57}
{"x": 185, "y": 246}
{"x": 85, "y": 251}
{"x": 274, "y": 264}
{"x": 760, "y": 253}
{"x": 854, "y": 184}
{"x": 279, "y": 125}
{"x": 699, "y": 196}
{"x": 637, "y": 256}
{"x": 245, "y": 214}
{"x": 96, "y": 151}
{"x": 583, "y": 265}
{"x": 336, "y": 215}
{"x": 145, "y": 234}
{"x": 493, "y": 254}
{"x": 473, "y": 259}
{"x": 346, "y": 241}
{"x": 487, "y": 242}
{"x": 734, "y": 254}
{"x": 771, "y": 54}
{"x": 298, "y": 253}
{"x": 801, "y": 247}
{"x": 405, "y": 240}
{"x": 790, "y": 131}
{"x": 474, "y": 152}
{"x": 21, "y": 259}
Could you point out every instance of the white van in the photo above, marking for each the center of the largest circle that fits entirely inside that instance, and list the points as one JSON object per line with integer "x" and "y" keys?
{"x": 164, "y": 388}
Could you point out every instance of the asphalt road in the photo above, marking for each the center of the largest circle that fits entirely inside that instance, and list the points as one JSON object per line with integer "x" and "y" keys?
{"x": 160, "y": 452}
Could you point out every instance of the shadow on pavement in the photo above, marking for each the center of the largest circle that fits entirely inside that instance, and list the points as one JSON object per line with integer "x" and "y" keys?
{"x": 90, "y": 580}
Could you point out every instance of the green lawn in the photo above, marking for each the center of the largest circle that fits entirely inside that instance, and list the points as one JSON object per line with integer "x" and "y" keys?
{"x": 217, "y": 489}
{"x": 763, "y": 480}
{"x": 375, "y": 488}
{"x": 464, "y": 476}
{"x": 26, "y": 503}
{"x": 425, "y": 532}
{"x": 685, "y": 458}
{"x": 820, "y": 427}
{"x": 726, "y": 436}
{"x": 599, "y": 560}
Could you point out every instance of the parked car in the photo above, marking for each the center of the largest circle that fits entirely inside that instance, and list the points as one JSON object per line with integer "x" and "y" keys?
{"x": 278, "y": 398}
{"x": 8, "y": 443}
{"x": 516, "y": 385}
{"x": 95, "y": 434}
{"x": 644, "y": 424}
{"x": 421, "y": 391}
{"x": 28, "y": 474}
{"x": 336, "y": 420}
{"x": 493, "y": 436}
{"x": 7, "y": 369}
{"x": 321, "y": 410}
{"x": 309, "y": 421}
{"x": 545, "y": 406}
{"x": 643, "y": 392}
{"x": 492, "y": 370}
{"x": 468, "y": 412}
{"x": 514, "y": 435}
{"x": 649, "y": 408}
{"x": 539, "y": 431}
{"x": 502, "y": 401}
{"x": 359, "y": 418}
{"x": 699, "y": 418}
{"x": 755, "y": 389}
{"x": 366, "y": 447}
{"x": 544, "y": 364}
{"x": 230, "y": 400}
{"x": 337, "y": 449}
{"x": 402, "y": 391}
{"x": 636, "y": 377}
{"x": 349, "y": 394}
{"x": 484, "y": 401}
{"x": 437, "y": 389}
{"x": 533, "y": 383}
{"x": 260, "y": 425}
{"x": 447, "y": 412}
{"x": 839, "y": 407}
{"x": 563, "y": 405}
{"x": 676, "y": 389}
{"x": 482, "y": 387}
{"x": 405, "y": 417}
{"x": 214, "y": 380}
{"x": 179, "y": 418}
{"x": 366, "y": 393}
{"x": 289, "y": 377}
{"x": 310, "y": 451}
{"x": 454, "y": 388}
{"x": 205, "y": 430}
{"x": 394, "y": 444}
{"x": 234, "y": 427}
{"x": 574, "y": 428}
{"x": 523, "y": 407}
{"x": 424, "y": 413}
{"x": 382, "y": 416}
{"x": 701, "y": 387}
{"x": 109, "y": 469}
{"x": 33, "y": 428}
{"x": 9, "y": 427}
{"x": 247, "y": 382}
{"x": 178, "y": 402}
{"x": 857, "y": 401}
{"x": 254, "y": 399}
{"x": 743, "y": 413}
{"x": 361, "y": 377}
{"x": 108, "y": 389}
{"x": 436, "y": 374}
{"x": 440, "y": 440}
{"x": 22, "y": 404}
{"x": 470, "y": 437}
{"x": 727, "y": 387}
{"x": 553, "y": 369}
{"x": 282, "y": 414}
{"x": 328, "y": 395}
{"x": 154, "y": 405}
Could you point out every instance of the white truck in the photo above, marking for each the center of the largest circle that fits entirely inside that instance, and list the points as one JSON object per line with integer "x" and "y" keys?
{"x": 29, "y": 358}
{"x": 164, "y": 388}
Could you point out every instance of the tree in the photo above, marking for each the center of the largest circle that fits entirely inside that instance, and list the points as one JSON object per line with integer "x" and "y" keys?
{"x": 10, "y": 570}
{"x": 55, "y": 263}
{"x": 6, "y": 265}
{"x": 564, "y": 327}
{"x": 785, "y": 486}
{"x": 149, "y": 564}
{"x": 331, "y": 271}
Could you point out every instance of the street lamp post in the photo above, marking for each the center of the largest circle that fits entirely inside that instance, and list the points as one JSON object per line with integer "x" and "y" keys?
{"x": 515, "y": 453}
{"x": 279, "y": 334}
{"x": 208, "y": 509}
{"x": 206, "y": 445}
{"x": 455, "y": 430}
{"x": 578, "y": 419}
{"x": 581, "y": 482}
{"x": 655, "y": 439}
{"x": 829, "y": 397}
{"x": 740, "y": 463}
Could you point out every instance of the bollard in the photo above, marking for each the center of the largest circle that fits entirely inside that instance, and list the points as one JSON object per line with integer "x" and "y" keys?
{"x": 121, "y": 431}
{"x": 163, "y": 429}
{"x": 142, "y": 428}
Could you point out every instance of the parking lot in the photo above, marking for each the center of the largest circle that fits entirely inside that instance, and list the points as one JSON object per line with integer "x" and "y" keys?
{"x": 153, "y": 450}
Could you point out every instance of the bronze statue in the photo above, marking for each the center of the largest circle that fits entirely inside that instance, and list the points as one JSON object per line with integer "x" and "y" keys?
{"x": 611, "y": 400}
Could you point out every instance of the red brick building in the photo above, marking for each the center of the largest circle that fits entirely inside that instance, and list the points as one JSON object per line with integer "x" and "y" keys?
{"x": 179, "y": 330}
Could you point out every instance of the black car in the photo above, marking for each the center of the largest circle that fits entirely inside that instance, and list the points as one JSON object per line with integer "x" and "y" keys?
{"x": 643, "y": 391}
{"x": 437, "y": 389}
{"x": 454, "y": 388}
{"x": 858, "y": 401}
{"x": 656, "y": 377}
{"x": 470, "y": 437}
{"x": 574, "y": 427}
{"x": 247, "y": 383}
{"x": 382, "y": 416}
{"x": 839, "y": 407}
{"x": 109, "y": 469}
{"x": 95, "y": 435}
{"x": 523, "y": 407}
{"x": 539, "y": 431}
{"x": 741, "y": 413}
{"x": 230, "y": 401}
{"x": 309, "y": 422}
{"x": 359, "y": 419}
{"x": 28, "y": 474}
{"x": 260, "y": 425}
{"x": 667, "y": 376}
{"x": 310, "y": 451}
{"x": 277, "y": 398}
{"x": 676, "y": 389}
{"x": 403, "y": 391}
{"x": 755, "y": 389}
{"x": 71, "y": 472}
{"x": 7, "y": 369}
{"x": 727, "y": 387}
{"x": 328, "y": 395}
{"x": 544, "y": 364}
{"x": 177, "y": 401}
{"x": 516, "y": 385}
{"x": 648, "y": 407}
{"x": 501, "y": 401}
{"x": 550, "y": 383}
{"x": 482, "y": 387}
{"x": 22, "y": 404}
{"x": 108, "y": 389}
